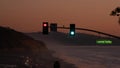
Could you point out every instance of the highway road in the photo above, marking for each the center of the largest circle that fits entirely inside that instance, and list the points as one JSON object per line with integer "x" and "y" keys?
{"x": 84, "y": 56}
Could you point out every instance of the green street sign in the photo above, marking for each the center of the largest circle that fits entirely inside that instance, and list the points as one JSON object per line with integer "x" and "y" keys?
{"x": 103, "y": 41}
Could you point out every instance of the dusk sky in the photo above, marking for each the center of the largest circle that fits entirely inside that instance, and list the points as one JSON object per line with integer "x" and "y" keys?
{"x": 28, "y": 15}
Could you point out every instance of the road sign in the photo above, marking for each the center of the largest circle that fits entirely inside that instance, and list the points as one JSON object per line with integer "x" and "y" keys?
{"x": 103, "y": 41}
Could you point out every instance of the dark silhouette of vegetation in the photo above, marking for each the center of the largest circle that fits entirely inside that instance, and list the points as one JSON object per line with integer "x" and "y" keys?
{"x": 11, "y": 39}
{"x": 116, "y": 12}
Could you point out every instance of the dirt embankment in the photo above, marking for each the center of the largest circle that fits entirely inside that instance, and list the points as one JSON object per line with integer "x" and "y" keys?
{"x": 13, "y": 41}
{"x": 16, "y": 43}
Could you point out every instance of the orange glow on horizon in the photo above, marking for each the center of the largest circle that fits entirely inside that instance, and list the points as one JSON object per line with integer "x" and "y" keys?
{"x": 28, "y": 15}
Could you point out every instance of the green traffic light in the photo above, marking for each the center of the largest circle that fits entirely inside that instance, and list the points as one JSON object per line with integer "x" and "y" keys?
{"x": 72, "y": 33}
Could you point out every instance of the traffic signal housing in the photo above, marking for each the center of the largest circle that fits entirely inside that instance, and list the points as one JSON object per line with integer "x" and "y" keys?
{"x": 45, "y": 28}
{"x": 53, "y": 27}
{"x": 72, "y": 30}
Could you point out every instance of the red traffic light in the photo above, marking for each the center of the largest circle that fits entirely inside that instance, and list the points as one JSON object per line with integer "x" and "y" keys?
{"x": 44, "y": 24}
{"x": 45, "y": 28}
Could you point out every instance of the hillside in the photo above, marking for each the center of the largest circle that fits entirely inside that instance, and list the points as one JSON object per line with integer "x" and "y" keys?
{"x": 12, "y": 41}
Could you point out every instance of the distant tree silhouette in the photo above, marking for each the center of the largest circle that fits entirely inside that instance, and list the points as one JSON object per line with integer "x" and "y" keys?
{"x": 116, "y": 12}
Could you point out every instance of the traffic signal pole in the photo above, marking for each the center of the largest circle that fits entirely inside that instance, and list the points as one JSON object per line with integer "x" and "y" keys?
{"x": 72, "y": 30}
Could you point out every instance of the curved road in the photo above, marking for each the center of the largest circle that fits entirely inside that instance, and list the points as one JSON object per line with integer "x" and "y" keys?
{"x": 83, "y": 56}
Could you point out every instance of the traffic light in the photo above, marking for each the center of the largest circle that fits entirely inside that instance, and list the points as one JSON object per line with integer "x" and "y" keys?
{"x": 45, "y": 28}
{"x": 72, "y": 29}
{"x": 53, "y": 27}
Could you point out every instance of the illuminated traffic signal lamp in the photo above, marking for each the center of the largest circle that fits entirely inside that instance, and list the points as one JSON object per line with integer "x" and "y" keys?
{"x": 72, "y": 29}
{"x": 45, "y": 28}
{"x": 44, "y": 24}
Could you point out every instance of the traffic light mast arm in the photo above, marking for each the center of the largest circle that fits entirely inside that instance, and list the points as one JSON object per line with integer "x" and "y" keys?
{"x": 92, "y": 31}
